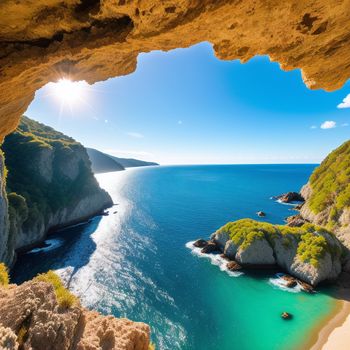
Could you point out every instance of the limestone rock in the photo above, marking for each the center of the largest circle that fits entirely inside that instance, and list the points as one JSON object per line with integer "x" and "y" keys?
{"x": 230, "y": 250}
{"x": 259, "y": 252}
{"x": 221, "y": 238}
{"x": 33, "y": 308}
{"x": 42, "y": 40}
{"x": 290, "y": 197}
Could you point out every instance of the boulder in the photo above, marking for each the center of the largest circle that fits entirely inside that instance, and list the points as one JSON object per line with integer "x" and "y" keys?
{"x": 295, "y": 221}
{"x": 200, "y": 243}
{"x": 211, "y": 247}
{"x": 233, "y": 266}
{"x": 261, "y": 214}
{"x": 290, "y": 197}
{"x": 291, "y": 282}
{"x": 286, "y": 315}
{"x": 306, "y": 287}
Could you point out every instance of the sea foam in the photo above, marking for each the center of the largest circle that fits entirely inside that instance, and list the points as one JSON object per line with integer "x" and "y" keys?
{"x": 50, "y": 244}
{"x": 280, "y": 283}
{"x": 215, "y": 259}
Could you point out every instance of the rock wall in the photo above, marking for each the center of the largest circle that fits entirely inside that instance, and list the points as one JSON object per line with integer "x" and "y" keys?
{"x": 43, "y": 40}
{"x": 31, "y": 317}
{"x": 50, "y": 184}
{"x": 5, "y": 254}
{"x": 327, "y": 195}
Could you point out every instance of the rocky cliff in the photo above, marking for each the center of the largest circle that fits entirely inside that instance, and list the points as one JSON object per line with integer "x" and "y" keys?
{"x": 5, "y": 253}
{"x": 327, "y": 195}
{"x": 45, "y": 40}
{"x": 49, "y": 184}
{"x": 31, "y": 317}
{"x": 309, "y": 253}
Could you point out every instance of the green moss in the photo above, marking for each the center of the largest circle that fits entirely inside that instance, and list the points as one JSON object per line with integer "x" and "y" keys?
{"x": 4, "y": 276}
{"x": 64, "y": 297}
{"x": 245, "y": 231}
{"x": 330, "y": 183}
{"x": 311, "y": 241}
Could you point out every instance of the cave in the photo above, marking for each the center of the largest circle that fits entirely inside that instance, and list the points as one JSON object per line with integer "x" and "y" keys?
{"x": 94, "y": 40}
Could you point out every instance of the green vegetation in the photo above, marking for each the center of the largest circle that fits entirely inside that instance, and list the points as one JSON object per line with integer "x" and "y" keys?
{"x": 330, "y": 184}
{"x": 40, "y": 161}
{"x": 312, "y": 244}
{"x": 4, "y": 276}
{"x": 64, "y": 297}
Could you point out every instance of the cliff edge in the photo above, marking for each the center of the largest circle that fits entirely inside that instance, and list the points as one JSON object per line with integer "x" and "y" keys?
{"x": 49, "y": 184}
{"x": 33, "y": 317}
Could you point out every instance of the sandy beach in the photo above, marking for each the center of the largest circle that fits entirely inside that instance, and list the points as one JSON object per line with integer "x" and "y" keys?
{"x": 335, "y": 335}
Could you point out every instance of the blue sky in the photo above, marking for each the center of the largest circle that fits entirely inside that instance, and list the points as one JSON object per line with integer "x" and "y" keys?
{"x": 187, "y": 107}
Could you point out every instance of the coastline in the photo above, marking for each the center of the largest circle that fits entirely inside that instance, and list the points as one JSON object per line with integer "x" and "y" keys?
{"x": 334, "y": 335}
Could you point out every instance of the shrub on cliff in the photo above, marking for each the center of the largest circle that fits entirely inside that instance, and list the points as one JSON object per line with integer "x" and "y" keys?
{"x": 312, "y": 244}
{"x": 4, "y": 276}
{"x": 64, "y": 297}
{"x": 330, "y": 184}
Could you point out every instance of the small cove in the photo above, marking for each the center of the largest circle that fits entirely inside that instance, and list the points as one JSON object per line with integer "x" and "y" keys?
{"x": 135, "y": 262}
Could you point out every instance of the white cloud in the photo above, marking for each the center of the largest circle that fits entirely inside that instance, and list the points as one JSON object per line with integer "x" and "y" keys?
{"x": 313, "y": 127}
{"x": 345, "y": 103}
{"x": 328, "y": 124}
{"x": 135, "y": 135}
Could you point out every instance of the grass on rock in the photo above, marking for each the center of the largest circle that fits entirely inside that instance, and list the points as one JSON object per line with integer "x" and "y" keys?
{"x": 64, "y": 297}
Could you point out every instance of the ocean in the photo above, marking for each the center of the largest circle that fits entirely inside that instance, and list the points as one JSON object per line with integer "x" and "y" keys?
{"x": 136, "y": 262}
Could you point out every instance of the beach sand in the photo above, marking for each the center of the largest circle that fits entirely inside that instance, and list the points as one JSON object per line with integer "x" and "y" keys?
{"x": 335, "y": 335}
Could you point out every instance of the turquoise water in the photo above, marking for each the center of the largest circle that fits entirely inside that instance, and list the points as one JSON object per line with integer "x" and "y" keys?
{"x": 135, "y": 262}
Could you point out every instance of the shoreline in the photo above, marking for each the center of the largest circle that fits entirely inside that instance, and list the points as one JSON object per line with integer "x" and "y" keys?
{"x": 333, "y": 335}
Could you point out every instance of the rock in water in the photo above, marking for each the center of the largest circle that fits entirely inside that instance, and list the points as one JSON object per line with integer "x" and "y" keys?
{"x": 233, "y": 266}
{"x": 290, "y": 197}
{"x": 200, "y": 243}
{"x": 286, "y": 315}
{"x": 211, "y": 247}
{"x": 261, "y": 214}
{"x": 291, "y": 282}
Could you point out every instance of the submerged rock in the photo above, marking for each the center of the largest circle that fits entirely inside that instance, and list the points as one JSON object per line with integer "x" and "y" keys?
{"x": 286, "y": 315}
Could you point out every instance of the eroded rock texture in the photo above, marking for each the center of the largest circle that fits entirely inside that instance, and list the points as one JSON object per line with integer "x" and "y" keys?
{"x": 43, "y": 40}
{"x": 31, "y": 317}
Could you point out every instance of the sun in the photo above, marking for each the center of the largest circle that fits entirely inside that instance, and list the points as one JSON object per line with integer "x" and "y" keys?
{"x": 69, "y": 92}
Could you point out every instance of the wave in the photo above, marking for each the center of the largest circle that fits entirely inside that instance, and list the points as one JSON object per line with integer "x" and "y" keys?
{"x": 215, "y": 259}
{"x": 50, "y": 244}
{"x": 280, "y": 283}
{"x": 291, "y": 204}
